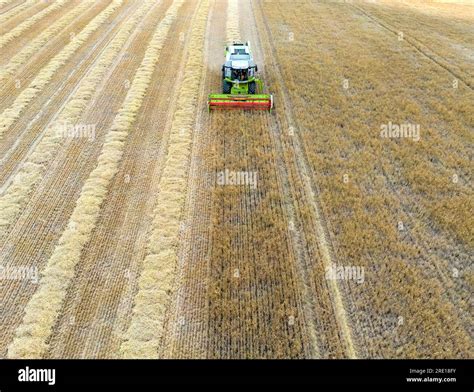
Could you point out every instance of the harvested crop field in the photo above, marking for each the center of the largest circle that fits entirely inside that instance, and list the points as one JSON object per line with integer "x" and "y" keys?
{"x": 135, "y": 223}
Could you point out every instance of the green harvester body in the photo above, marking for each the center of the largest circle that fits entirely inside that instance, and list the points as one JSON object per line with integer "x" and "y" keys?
{"x": 241, "y": 89}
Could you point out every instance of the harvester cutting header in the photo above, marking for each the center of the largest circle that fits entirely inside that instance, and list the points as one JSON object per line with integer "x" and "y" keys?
{"x": 241, "y": 89}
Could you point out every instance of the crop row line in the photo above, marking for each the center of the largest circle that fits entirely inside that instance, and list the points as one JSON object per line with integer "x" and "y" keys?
{"x": 418, "y": 46}
{"x": 160, "y": 263}
{"x": 312, "y": 194}
{"x": 8, "y": 117}
{"x": 32, "y": 47}
{"x": 18, "y": 30}
{"x": 15, "y": 11}
{"x": 43, "y": 308}
{"x": 32, "y": 169}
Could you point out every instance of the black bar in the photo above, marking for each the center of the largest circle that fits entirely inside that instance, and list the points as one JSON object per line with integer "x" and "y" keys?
{"x": 322, "y": 372}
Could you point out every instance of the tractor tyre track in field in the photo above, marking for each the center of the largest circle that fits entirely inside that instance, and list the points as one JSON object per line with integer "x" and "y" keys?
{"x": 311, "y": 189}
{"x": 421, "y": 48}
{"x": 243, "y": 262}
{"x": 285, "y": 185}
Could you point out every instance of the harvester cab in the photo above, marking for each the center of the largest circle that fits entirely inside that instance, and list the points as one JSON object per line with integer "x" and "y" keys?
{"x": 241, "y": 89}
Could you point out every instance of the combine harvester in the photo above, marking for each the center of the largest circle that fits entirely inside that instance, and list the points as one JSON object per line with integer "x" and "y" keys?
{"x": 240, "y": 87}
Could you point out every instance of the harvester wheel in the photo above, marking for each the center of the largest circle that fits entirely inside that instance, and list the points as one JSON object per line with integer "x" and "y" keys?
{"x": 252, "y": 88}
{"x": 226, "y": 87}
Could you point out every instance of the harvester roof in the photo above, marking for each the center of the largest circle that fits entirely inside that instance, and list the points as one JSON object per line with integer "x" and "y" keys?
{"x": 239, "y": 64}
